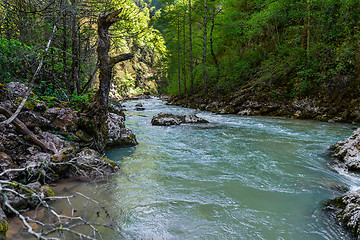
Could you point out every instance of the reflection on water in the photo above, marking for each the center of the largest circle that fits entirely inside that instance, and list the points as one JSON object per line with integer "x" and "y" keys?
{"x": 234, "y": 178}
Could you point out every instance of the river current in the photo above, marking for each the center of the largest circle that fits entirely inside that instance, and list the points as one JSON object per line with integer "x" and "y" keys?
{"x": 233, "y": 178}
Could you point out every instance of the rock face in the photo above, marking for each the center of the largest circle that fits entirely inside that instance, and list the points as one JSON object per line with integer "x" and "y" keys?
{"x": 167, "y": 119}
{"x": 348, "y": 213}
{"x": 348, "y": 151}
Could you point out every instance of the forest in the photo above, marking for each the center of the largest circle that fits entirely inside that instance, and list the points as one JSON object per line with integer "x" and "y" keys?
{"x": 291, "y": 47}
{"x": 70, "y": 64}
{"x": 73, "y": 70}
{"x": 287, "y": 48}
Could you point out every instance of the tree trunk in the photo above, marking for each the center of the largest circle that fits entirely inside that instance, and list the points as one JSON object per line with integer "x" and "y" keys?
{"x": 99, "y": 110}
{"x": 308, "y": 32}
{"x": 74, "y": 50}
{"x": 64, "y": 52}
{"x": 205, "y": 47}
{"x": 212, "y": 49}
{"x": 178, "y": 52}
{"x": 184, "y": 52}
{"x": 190, "y": 52}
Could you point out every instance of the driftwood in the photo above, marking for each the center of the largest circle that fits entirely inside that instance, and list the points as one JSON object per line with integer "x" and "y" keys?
{"x": 48, "y": 147}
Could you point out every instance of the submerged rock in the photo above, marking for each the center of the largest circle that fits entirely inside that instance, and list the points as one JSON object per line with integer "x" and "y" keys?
{"x": 348, "y": 151}
{"x": 167, "y": 119}
{"x": 139, "y": 107}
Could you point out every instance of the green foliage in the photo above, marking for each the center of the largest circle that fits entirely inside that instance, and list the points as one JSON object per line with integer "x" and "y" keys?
{"x": 14, "y": 60}
{"x": 295, "y": 47}
{"x": 79, "y": 102}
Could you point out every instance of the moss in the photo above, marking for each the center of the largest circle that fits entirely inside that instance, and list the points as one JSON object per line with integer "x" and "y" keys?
{"x": 3, "y": 88}
{"x": 48, "y": 192}
{"x": 338, "y": 202}
{"x": 22, "y": 189}
{"x": 4, "y": 227}
{"x": 112, "y": 163}
{"x": 30, "y": 103}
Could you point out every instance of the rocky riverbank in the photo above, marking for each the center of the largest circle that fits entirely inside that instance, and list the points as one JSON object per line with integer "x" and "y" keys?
{"x": 47, "y": 143}
{"x": 252, "y": 100}
{"x": 347, "y": 154}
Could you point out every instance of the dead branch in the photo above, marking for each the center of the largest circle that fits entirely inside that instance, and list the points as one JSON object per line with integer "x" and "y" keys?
{"x": 22, "y": 104}
{"x": 79, "y": 223}
{"x": 120, "y": 58}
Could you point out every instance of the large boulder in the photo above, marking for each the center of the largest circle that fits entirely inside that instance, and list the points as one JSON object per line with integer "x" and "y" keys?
{"x": 32, "y": 120}
{"x": 117, "y": 109}
{"x": 167, "y": 119}
{"x": 89, "y": 164}
{"x": 348, "y": 151}
{"x": 16, "y": 89}
{"x": 63, "y": 119}
{"x": 118, "y": 135}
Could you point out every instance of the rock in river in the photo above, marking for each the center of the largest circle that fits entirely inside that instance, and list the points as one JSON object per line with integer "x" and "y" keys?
{"x": 348, "y": 151}
{"x": 167, "y": 119}
{"x": 118, "y": 135}
{"x": 348, "y": 213}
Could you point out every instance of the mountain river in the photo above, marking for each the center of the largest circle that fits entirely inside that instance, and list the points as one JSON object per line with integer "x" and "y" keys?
{"x": 233, "y": 178}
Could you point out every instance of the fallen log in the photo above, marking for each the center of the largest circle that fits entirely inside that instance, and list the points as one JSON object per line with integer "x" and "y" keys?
{"x": 48, "y": 147}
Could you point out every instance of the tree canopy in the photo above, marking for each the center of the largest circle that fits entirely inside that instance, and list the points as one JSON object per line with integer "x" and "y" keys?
{"x": 292, "y": 47}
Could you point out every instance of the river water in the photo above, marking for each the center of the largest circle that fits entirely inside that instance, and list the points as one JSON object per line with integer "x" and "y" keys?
{"x": 233, "y": 178}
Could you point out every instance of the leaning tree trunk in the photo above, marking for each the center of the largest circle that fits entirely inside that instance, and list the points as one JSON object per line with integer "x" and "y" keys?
{"x": 99, "y": 110}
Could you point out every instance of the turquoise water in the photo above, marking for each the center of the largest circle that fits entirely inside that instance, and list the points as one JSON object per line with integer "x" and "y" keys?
{"x": 234, "y": 178}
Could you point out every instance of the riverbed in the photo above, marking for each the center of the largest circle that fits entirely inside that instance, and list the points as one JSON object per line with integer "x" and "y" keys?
{"x": 233, "y": 178}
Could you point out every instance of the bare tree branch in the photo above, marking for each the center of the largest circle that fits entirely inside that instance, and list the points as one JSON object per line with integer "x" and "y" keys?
{"x": 120, "y": 58}
{"x": 8, "y": 121}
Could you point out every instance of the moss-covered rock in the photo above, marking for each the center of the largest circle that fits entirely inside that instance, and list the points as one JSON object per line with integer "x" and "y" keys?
{"x": 4, "y": 227}
{"x": 348, "y": 210}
